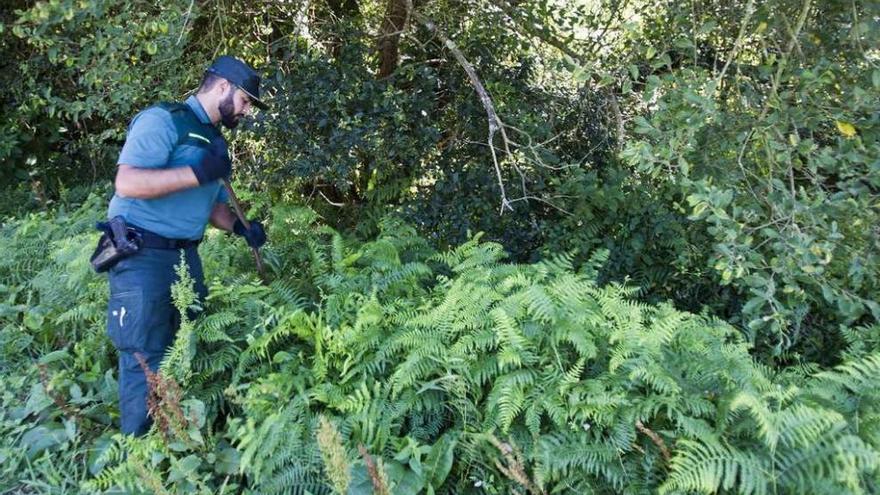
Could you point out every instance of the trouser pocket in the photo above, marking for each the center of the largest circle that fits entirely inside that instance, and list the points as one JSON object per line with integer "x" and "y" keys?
{"x": 138, "y": 322}
{"x": 125, "y": 320}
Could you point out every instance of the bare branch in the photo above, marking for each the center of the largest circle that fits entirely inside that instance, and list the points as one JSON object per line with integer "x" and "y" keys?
{"x": 750, "y": 9}
{"x": 185, "y": 22}
{"x": 495, "y": 124}
{"x": 548, "y": 37}
{"x": 338, "y": 205}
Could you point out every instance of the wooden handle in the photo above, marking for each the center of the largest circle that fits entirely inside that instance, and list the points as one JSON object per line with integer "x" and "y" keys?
{"x": 237, "y": 208}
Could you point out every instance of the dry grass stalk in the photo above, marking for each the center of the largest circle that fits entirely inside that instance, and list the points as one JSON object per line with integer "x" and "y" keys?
{"x": 163, "y": 403}
{"x": 654, "y": 438}
{"x": 515, "y": 468}
{"x": 333, "y": 455}
{"x": 150, "y": 479}
{"x": 376, "y": 472}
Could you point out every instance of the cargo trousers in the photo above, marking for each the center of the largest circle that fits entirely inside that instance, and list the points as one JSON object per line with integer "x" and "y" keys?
{"x": 141, "y": 319}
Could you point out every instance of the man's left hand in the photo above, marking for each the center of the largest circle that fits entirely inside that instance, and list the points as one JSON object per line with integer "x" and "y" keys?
{"x": 255, "y": 236}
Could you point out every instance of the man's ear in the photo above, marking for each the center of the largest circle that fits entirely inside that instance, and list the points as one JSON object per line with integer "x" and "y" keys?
{"x": 222, "y": 87}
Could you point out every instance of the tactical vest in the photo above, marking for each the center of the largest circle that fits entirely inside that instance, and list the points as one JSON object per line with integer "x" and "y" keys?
{"x": 190, "y": 130}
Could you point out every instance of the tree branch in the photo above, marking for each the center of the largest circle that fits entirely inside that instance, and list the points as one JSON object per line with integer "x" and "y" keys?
{"x": 495, "y": 123}
{"x": 530, "y": 29}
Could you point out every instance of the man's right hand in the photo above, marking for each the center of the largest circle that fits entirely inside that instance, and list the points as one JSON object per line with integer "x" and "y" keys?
{"x": 215, "y": 164}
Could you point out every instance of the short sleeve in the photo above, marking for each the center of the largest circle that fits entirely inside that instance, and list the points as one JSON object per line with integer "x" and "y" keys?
{"x": 222, "y": 195}
{"x": 150, "y": 141}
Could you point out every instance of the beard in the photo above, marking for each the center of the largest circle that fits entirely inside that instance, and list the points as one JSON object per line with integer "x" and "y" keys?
{"x": 227, "y": 111}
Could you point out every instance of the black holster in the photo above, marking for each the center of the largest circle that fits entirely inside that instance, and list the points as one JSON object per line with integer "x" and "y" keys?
{"x": 117, "y": 242}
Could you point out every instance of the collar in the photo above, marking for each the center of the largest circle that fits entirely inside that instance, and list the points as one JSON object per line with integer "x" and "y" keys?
{"x": 197, "y": 108}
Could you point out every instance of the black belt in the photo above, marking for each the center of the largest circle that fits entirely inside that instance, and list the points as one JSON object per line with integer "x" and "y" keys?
{"x": 156, "y": 241}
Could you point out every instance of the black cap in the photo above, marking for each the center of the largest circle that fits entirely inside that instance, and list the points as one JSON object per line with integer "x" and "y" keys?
{"x": 241, "y": 75}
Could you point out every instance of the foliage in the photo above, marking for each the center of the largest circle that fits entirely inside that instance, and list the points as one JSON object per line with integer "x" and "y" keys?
{"x": 680, "y": 295}
{"x": 723, "y": 152}
{"x": 461, "y": 372}
{"x": 777, "y": 157}
{"x": 76, "y": 73}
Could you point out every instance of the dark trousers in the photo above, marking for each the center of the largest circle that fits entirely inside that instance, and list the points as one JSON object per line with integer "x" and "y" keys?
{"x": 142, "y": 320}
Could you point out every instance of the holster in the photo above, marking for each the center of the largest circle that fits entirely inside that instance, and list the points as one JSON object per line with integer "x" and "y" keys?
{"x": 117, "y": 242}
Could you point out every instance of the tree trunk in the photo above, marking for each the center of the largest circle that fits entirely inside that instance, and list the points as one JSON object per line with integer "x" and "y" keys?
{"x": 393, "y": 24}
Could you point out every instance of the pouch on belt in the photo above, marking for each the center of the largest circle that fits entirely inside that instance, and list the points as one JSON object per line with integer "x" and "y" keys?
{"x": 117, "y": 242}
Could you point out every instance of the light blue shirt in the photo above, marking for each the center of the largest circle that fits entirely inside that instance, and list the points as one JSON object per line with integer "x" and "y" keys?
{"x": 152, "y": 143}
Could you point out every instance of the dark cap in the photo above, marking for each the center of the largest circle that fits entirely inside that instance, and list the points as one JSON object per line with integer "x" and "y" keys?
{"x": 239, "y": 74}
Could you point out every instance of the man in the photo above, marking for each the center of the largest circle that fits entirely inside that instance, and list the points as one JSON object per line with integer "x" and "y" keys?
{"x": 168, "y": 187}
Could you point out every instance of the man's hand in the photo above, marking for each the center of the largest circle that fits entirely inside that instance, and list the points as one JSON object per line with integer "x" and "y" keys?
{"x": 215, "y": 164}
{"x": 255, "y": 236}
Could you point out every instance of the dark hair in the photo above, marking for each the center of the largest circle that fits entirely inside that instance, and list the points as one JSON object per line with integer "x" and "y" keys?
{"x": 209, "y": 80}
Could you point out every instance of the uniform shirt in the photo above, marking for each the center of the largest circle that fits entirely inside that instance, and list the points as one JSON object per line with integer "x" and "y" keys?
{"x": 152, "y": 143}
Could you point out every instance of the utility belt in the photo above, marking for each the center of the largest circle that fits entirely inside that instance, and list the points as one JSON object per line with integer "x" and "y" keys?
{"x": 119, "y": 241}
{"x": 156, "y": 241}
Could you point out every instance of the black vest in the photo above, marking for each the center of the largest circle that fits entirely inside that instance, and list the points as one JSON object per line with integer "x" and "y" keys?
{"x": 190, "y": 130}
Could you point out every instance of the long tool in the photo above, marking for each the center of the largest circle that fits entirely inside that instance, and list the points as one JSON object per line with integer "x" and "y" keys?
{"x": 237, "y": 207}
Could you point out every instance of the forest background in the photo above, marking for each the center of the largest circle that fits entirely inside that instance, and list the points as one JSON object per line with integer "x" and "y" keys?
{"x": 535, "y": 246}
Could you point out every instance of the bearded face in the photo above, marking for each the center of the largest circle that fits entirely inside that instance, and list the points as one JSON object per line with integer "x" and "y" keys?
{"x": 227, "y": 110}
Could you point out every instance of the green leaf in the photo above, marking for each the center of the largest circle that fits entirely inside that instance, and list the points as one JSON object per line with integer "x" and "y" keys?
{"x": 195, "y": 411}
{"x": 361, "y": 484}
{"x": 42, "y": 437}
{"x": 54, "y": 356}
{"x": 633, "y": 71}
{"x": 405, "y": 481}
{"x": 37, "y": 400}
{"x": 708, "y": 27}
{"x": 846, "y": 129}
{"x": 96, "y": 460}
{"x": 228, "y": 460}
{"x": 439, "y": 460}
{"x": 753, "y": 305}
{"x": 184, "y": 468}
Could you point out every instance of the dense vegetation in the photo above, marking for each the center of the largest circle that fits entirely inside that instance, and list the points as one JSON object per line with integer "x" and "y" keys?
{"x": 645, "y": 260}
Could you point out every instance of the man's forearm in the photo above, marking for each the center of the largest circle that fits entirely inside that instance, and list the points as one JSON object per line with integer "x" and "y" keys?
{"x": 222, "y": 217}
{"x": 146, "y": 183}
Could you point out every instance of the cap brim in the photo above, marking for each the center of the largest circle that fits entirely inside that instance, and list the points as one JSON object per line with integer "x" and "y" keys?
{"x": 254, "y": 100}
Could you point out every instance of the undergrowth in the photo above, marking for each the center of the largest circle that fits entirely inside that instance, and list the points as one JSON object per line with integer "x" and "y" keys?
{"x": 382, "y": 366}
